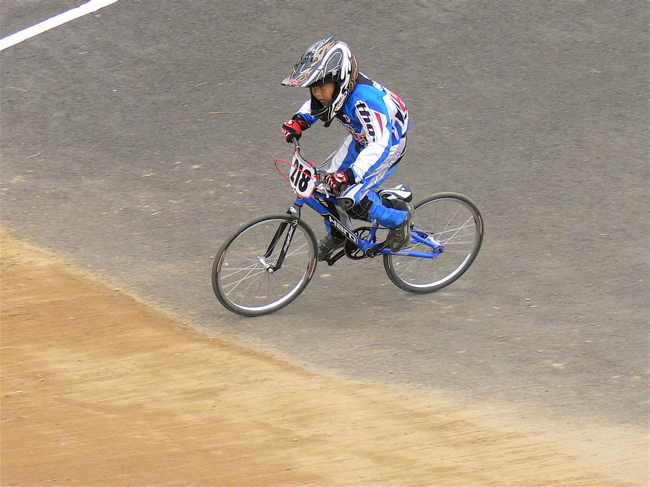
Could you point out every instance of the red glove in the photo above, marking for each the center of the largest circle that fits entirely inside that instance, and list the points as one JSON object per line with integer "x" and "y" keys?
{"x": 293, "y": 128}
{"x": 338, "y": 178}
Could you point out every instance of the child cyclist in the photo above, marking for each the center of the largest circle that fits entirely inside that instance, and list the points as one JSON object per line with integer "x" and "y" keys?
{"x": 377, "y": 122}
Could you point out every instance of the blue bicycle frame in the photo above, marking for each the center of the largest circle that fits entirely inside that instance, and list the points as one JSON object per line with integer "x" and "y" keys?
{"x": 258, "y": 271}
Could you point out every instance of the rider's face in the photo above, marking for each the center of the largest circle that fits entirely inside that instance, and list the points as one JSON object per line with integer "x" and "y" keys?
{"x": 324, "y": 93}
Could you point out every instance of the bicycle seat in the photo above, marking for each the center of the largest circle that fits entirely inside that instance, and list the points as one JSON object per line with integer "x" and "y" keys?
{"x": 399, "y": 192}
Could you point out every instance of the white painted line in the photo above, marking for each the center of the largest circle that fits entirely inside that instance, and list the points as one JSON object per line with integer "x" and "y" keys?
{"x": 34, "y": 30}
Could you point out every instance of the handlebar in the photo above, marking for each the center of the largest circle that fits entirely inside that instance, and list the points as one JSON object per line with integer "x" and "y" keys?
{"x": 321, "y": 185}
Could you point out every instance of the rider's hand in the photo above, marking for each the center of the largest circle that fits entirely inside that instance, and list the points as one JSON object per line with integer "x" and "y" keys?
{"x": 338, "y": 178}
{"x": 294, "y": 127}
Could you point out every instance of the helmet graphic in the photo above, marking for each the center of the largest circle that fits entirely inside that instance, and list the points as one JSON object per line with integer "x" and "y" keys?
{"x": 325, "y": 61}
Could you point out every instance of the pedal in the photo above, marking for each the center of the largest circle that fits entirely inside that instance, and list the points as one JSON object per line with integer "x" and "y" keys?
{"x": 373, "y": 251}
{"x": 332, "y": 260}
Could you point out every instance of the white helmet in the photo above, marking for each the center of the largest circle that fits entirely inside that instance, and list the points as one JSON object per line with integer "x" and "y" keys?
{"x": 325, "y": 61}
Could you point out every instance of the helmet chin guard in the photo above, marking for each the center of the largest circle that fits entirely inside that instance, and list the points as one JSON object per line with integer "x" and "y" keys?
{"x": 326, "y": 60}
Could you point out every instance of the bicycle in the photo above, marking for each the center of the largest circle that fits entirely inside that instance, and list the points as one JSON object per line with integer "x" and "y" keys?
{"x": 268, "y": 262}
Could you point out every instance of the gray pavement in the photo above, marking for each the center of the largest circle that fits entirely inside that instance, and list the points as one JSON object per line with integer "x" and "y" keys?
{"x": 135, "y": 139}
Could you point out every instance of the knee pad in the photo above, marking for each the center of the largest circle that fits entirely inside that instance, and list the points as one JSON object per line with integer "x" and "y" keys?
{"x": 361, "y": 210}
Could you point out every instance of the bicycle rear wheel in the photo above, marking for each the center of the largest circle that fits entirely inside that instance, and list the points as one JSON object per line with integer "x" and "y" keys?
{"x": 245, "y": 275}
{"x": 448, "y": 219}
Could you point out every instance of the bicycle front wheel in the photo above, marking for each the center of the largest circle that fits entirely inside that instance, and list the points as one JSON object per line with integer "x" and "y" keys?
{"x": 248, "y": 276}
{"x": 448, "y": 219}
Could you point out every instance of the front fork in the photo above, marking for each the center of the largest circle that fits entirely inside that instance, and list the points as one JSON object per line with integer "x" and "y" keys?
{"x": 294, "y": 211}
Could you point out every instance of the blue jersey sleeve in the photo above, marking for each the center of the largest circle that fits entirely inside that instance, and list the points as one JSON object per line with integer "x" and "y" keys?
{"x": 305, "y": 112}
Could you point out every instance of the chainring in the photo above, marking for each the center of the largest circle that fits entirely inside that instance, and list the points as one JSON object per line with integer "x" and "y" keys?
{"x": 352, "y": 251}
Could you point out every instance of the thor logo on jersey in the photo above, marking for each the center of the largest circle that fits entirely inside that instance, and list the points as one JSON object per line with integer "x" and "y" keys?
{"x": 371, "y": 120}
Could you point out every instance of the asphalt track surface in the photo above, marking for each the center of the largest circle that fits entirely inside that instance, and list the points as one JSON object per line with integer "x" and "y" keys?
{"x": 135, "y": 139}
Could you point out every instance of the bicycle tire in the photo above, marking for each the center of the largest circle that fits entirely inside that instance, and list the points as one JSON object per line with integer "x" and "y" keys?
{"x": 450, "y": 219}
{"x": 241, "y": 279}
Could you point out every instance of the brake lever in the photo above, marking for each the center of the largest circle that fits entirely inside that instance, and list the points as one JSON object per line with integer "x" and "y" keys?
{"x": 321, "y": 187}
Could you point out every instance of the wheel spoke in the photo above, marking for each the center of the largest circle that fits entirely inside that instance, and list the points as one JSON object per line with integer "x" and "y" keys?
{"x": 250, "y": 277}
{"x": 452, "y": 221}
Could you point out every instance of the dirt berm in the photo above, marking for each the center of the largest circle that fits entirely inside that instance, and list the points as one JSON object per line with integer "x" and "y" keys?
{"x": 100, "y": 389}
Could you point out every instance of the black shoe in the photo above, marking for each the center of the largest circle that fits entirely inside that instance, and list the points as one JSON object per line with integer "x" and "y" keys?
{"x": 328, "y": 245}
{"x": 400, "y": 236}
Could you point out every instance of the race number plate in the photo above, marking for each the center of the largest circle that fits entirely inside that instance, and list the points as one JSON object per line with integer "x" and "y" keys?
{"x": 302, "y": 176}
